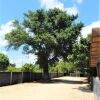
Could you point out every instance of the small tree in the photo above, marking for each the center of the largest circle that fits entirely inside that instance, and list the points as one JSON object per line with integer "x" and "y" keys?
{"x": 80, "y": 55}
{"x": 13, "y": 69}
{"x": 12, "y": 65}
{"x": 27, "y": 68}
{"x": 61, "y": 67}
{"x": 4, "y": 62}
{"x": 66, "y": 67}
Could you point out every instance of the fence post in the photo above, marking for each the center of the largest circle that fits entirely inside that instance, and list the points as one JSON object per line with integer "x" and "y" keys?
{"x": 10, "y": 78}
{"x": 30, "y": 76}
{"x": 22, "y": 78}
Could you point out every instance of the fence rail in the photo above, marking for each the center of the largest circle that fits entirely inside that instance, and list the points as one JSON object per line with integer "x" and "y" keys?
{"x": 8, "y": 78}
{"x": 96, "y": 88}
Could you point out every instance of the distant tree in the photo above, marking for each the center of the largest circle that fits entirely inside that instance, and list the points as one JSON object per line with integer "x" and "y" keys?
{"x": 27, "y": 68}
{"x": 63, "y": 66}
{"x": 13, "y": 69}
{"x": 12, "y": 65}
{"x": 4, "y": 62}
{"x": 37, "y": 69}
{"x": 48, "y": 34}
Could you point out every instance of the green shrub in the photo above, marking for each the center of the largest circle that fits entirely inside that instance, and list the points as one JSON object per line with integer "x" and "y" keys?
{"x": 13, "y": 69}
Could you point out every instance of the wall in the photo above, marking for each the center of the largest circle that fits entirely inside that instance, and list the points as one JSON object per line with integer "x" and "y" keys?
{"x": 8, "y": 78}
{"x": 96, "y": 88}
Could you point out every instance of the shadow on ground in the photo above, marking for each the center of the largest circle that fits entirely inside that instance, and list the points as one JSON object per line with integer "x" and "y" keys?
{"x": 83, "y": 84}
{"x": 65, "y": 81}
{"x": 85, "y": 88}
{"x": 54, "y": 81}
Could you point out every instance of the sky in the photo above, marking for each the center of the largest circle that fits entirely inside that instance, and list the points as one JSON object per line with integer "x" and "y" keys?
{"x": 88, "y": 12}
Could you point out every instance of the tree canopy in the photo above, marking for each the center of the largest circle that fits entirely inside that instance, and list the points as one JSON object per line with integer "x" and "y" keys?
{"x": 48, "y": 34}
{"x": 81, "y": 53}
{"x": 28, "y": 68}
{"x": 4, "y": 61}
{"x": 65, "y": 67}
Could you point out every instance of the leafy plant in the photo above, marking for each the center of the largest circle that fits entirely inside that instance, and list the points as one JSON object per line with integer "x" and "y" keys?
{"x": 13, "y": 69}
{"x": 4, "y": 62}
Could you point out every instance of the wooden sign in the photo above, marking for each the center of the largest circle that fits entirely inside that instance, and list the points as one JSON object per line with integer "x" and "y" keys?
{"x": 95, "y": 47}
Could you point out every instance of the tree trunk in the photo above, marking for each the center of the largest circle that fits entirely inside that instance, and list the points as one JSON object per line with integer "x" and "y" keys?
{"x": 45, "y": 67}
{"x": 43, "y": 62}
{"x": 45, "y": 71}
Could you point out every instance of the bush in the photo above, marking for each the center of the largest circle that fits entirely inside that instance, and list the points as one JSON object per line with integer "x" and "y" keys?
{"x": 27, "y": 68}
{"x": 13, "y": 69}
{"x": 63, "y": 67}
{"x": 4, "y": 62}
{"x": 30, "y": 68}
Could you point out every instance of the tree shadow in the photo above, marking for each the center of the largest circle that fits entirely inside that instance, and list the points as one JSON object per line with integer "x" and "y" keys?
{"x": 66, "y": 81}
{"x": 58, "y": 81}
{"x": 85, "y": 89}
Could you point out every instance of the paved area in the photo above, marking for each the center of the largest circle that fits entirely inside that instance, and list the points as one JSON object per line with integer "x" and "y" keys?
{"x": 63, "y": 88}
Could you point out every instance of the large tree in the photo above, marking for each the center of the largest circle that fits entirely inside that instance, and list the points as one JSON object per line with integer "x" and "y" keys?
{"x": 48, "y": 34}
{"x": 4, "y": 62}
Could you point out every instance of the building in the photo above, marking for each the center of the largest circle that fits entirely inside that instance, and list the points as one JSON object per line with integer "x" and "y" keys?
{"x": 95, "y": 50}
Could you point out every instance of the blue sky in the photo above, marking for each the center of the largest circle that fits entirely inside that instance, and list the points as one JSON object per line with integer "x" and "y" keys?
{"x": 88, "y": 12}
{"x": 14, "y": 9}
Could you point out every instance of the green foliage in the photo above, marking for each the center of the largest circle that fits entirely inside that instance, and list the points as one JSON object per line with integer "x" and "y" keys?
{"x": 65, "y": 67}
{"x": 13, "y": 69}
{"x": 80, "y": 55}
{"x": 37, "y": 69}
{"x": 12, "y": 65}
{"x": 71, "y": 67}
{"x": 48, "y": 34}
{"x": 30, "y": 68}
{"x": 4, "y": 62}
{"x": 27, "y": 68}
{"x": 52, "y": 69}
{"x": 61, "y": 67}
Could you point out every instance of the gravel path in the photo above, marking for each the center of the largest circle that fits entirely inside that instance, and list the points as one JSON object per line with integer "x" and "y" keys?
{"x": 63, "y": 88}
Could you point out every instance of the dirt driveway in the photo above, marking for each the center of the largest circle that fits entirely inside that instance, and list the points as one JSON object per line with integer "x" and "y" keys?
{"x": 63, "y": 88}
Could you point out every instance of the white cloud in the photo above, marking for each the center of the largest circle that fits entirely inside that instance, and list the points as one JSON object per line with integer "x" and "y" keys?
{"x": 49, "y": 4}
{"x": 31, "y": 58}
{"x": 72, "y": 10}
{"x": 4, "y": 52}
{"x": 88, "y": 29}
{"x": 22, "y": 59}
{"x": 4, "y": 29}
{"x": 79, "y": 1}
